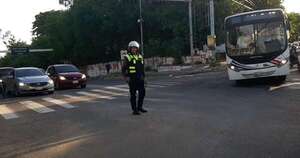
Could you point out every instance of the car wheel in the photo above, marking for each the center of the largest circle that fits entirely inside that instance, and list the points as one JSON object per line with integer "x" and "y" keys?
{"x": 51, "y": 92}
{"x": 16, "y": 92}
{"x": 281, "y": 79}
{"x": 4, "y": 92}
{"x": 56, "y": 86}
{"x": 83, "y": 86}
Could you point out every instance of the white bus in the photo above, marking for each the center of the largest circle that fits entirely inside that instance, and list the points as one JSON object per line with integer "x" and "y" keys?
{"x": 257, "y": 45}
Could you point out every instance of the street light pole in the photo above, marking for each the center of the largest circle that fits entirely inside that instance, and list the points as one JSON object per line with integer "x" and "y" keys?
{"x": 141, "y": 28}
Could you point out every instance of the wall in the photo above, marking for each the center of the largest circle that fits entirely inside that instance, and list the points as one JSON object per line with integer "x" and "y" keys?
{"x": 156, "y": 63}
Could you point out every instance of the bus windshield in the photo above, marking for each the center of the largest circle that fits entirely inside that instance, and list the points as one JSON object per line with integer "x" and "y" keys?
{"x": 256, "y": 39}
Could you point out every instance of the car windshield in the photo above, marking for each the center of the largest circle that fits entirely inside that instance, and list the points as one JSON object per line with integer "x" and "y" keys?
{"x": 4, "y": 72}
{"x": 66, "y": 69}
{"x": 256, "y": 39}
{"x": 29, "y": 73}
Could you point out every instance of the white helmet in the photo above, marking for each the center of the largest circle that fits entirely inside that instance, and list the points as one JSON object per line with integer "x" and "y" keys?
{"x": 134, "y": 44}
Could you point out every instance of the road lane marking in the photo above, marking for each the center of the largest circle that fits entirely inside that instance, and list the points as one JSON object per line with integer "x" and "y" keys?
{"x": 109, "y": 92}
{"x": 273, "y": 88}
{"x": 154, "y": 86}
{"x": 95, "y": 95}
{"x": 77, "y": 98}
{"x": 122, "y": 86}
{"x": 164, "y": 84}
{"x": 37, "y": 107}
{"x": 59, "y": 102}
{"x": 7, "y": 113}
{"x": 294, "y": 70}
{"x": 117, "y": 88}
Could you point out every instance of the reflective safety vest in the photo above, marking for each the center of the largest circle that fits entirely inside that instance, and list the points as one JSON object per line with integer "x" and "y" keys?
{"x": 134, "y": 61}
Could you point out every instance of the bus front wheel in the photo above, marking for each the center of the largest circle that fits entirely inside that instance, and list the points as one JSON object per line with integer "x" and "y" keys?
{"x": 281, "y": 79}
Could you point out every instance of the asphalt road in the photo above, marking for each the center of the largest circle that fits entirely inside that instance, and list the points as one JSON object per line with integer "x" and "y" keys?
{"x": 201, "y": 115}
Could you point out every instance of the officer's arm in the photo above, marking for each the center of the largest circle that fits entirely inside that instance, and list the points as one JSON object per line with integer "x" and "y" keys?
{"x": 144, "y": 74}
{"x": 125, "y": 68}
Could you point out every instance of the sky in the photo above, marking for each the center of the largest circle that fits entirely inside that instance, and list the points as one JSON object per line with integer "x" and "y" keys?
{"x": 17, "y": 16}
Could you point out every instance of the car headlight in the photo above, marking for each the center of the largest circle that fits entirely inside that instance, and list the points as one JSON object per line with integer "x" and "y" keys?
{"x": 51, "y": 82}
{"x": 232, "y": 67}
{"x": 1, "y": 81}
{"x": 62, "y": 78}
{"x": 83, "y": 76}
{"x": 283, "y": 62}
{"x": 21, "y": 84}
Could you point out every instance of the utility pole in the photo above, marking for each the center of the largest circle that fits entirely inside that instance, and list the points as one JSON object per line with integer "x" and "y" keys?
{"x": 141, "y": 28}
{"x": 212, "y": 18}
{"x": 191, "y": 28}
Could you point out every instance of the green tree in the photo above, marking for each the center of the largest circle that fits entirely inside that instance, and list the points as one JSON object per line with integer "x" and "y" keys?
{"x": 294, "y": 19}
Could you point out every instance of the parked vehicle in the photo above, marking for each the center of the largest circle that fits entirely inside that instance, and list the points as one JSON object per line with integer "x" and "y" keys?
{"x": 66, "y": 76}
{"x": 4, "y": 73}
{"x": 28, "y": 80}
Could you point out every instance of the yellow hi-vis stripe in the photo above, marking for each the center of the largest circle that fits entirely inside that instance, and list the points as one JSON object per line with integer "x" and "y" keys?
{"x": 131, "y": 67}
{"x": 132, "y": 71}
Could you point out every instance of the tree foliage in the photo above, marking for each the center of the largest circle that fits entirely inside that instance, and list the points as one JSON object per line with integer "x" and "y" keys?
{"x": 93, "y": 31}
{"x": 294, "y": 19}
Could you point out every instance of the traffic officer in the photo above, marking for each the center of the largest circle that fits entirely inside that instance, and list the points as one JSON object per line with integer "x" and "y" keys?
{"x": 134, "y": 74}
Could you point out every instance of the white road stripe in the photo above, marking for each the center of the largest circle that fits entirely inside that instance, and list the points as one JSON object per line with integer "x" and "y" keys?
{"x": 108, "y": 92}
{"x": 7, "y": 113}
{"x": 283, "y": 86}
{"x": 59, "y": 102}
{"x": 37, "y": 107}
{"x": 118, "y": 89}
{"x": 122, "y": 86}
{"x": 155, "y": 86}
{"x": 164, "y": 84}
{"x": 294, "y": 70}
{"x": 81, "y": 98}
{"x": 95, "y": 95}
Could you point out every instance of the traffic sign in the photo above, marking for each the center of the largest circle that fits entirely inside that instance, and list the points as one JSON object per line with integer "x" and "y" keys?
{"x": 19, "y": 50}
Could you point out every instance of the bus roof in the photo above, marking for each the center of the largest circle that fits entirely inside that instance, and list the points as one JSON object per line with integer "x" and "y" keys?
{"x": 252, "y": 12}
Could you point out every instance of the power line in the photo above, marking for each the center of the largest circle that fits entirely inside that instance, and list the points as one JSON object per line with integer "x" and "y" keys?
{"x": 241, "y": 4}
{"x": 251, "y": 3}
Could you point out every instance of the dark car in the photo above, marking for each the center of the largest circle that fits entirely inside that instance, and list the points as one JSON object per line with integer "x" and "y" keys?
{"x": 4, "y": 74}
{"x": 28, "y": 80}
{"x": 66, "y": 76}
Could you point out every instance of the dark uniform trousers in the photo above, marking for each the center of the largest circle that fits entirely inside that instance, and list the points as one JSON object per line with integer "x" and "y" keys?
{"x": 137, "y": 85}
